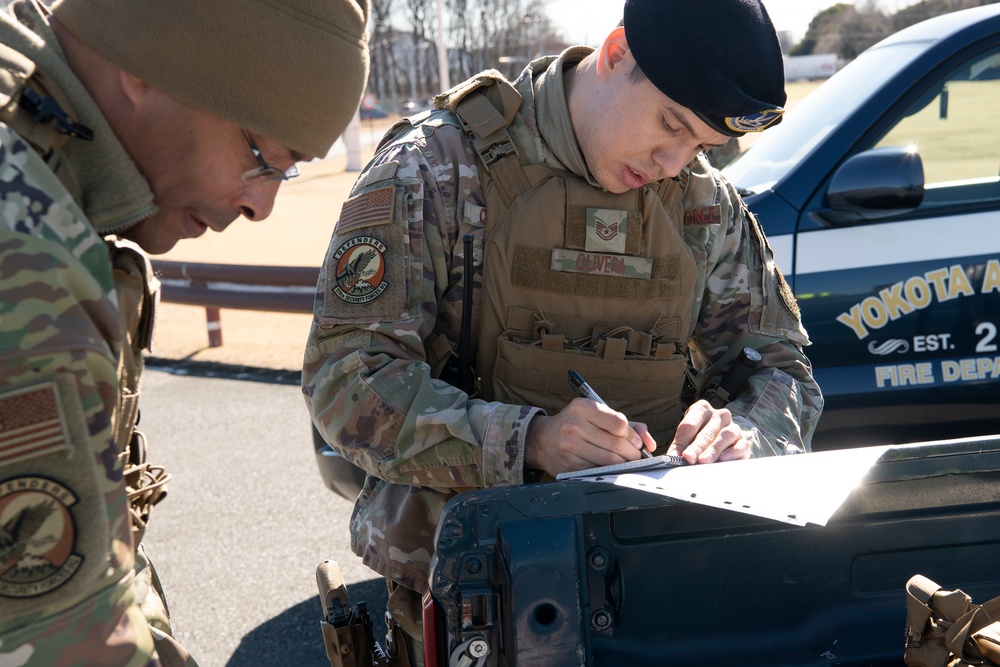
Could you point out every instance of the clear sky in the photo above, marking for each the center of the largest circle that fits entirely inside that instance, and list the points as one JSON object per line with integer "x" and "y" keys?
{"x": 589, "y": 21}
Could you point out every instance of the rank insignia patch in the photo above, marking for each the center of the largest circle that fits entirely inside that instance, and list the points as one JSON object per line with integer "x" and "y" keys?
{"x": 37, "y": 537}
{"x": 606, "y": 230}
{"x": 360, "y": 270}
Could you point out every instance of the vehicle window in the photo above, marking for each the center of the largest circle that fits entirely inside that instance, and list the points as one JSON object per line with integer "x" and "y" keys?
{"x": 782, "y": 147}
{"x": 955, "y": 130}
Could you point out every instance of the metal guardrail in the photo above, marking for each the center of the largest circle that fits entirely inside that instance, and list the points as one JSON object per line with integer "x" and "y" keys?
{"x": 282, "y": 289}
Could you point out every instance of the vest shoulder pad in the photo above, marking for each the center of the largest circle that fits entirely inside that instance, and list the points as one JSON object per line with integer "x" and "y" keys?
{"x": 15, "y": 70}
{"x": 703, "y": 182}
{"x": 483, "y": 120}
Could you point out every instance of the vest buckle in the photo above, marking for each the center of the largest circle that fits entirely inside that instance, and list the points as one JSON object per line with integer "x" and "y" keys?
{"x": 496, "y": 151}
{"x": 45, "y": 110}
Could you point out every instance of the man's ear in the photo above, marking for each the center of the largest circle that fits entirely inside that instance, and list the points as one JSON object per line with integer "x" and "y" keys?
{"x": 613, "y": 52}
{"x": 134, "y": 88}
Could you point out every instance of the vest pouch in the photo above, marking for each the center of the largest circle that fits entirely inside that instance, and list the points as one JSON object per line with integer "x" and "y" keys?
{"x": 944, "y": 628}
{"x": 644, "y": 388}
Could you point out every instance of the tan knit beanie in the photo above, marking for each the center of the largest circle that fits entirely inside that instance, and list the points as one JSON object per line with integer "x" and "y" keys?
{"x": 290, "y": 70}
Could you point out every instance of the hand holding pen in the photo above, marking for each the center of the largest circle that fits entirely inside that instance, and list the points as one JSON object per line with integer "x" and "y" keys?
{"x": 584, "y": 390}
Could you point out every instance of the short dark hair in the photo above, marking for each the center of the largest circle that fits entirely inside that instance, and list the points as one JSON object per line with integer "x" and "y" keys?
{"x": 636, "y": 75}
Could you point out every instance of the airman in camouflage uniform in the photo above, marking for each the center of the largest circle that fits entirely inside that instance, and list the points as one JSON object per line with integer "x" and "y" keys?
{"x": 104, "y": 155}
{"x": 554, "y": 274}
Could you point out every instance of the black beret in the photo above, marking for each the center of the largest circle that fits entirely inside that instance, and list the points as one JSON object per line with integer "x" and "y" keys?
{"x": 718, "y": 58}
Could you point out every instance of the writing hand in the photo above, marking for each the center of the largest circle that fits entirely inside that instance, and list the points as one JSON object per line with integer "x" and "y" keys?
{"x": 584, "y": 434}
{"x": 708, "y": 434}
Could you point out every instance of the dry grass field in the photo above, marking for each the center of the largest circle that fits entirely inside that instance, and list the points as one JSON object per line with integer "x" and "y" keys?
{"x": 948, "y": 154}
{"x": 296, "y": 234}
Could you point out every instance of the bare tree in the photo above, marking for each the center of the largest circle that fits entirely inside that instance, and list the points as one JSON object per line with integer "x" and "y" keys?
{"x": 462, "y": 35}
{"x": 419, "y": 15}
{"x": 481, "y": 34}
{"x": 383, "y": 57}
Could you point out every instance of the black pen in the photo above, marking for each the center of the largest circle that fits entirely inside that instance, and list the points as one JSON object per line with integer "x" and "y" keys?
{"x": 584, "y": 390}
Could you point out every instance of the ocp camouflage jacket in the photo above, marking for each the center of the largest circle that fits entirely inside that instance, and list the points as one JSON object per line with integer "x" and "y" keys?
{"x": 66, "y": 557}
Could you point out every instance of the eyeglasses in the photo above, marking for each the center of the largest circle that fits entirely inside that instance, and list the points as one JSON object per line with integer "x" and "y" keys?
{"x": 265, "y": 172}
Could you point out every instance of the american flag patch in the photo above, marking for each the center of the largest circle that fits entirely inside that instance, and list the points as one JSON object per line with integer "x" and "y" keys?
{"x": 366, "y": 210}
{"x": 30, "y": 424}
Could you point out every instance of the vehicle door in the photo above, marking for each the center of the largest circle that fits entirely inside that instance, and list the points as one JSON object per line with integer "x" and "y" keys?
{"x": 903, "y": 291}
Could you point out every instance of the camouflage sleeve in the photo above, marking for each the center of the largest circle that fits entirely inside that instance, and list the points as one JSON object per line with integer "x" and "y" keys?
{"x": 366, "y": 377}
{"x": 66, "y": 586}
{"x": 746, "y": 302}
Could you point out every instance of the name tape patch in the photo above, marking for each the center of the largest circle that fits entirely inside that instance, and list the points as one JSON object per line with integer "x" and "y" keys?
{"x": 594, "y": 263}
{"x": 707, "y": 215}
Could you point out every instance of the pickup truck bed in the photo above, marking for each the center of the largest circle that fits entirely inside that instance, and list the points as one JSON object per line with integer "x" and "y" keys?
{"x": 579, "y": 573}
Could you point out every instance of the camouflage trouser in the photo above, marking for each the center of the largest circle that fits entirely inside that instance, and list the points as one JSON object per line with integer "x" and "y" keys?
{"x": 406, "y": 609}
{"x": 154, "y": 607}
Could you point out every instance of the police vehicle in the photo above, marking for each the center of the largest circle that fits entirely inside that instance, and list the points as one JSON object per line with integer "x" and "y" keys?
{"x": 880, "y": 196}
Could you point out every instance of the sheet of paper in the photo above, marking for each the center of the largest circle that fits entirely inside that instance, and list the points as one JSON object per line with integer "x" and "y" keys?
{"x": 798, "y": 489}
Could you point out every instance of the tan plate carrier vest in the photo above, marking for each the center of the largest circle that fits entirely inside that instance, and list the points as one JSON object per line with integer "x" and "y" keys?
{"x": 554, "y": 298}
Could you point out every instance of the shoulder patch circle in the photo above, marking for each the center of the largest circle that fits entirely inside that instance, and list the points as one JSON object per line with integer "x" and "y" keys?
{"x": 37, "y": 537}
{"x": 360, "y": 275}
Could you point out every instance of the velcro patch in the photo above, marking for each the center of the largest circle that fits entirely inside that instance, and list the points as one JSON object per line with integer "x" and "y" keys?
{"x": 707, "y": 215}
{"x": 367, "y": 210}
{"x": 40, "y": 550}
{"x": 595, "y": 263}
{"x": 607, "y": 230}
{"x": 360, "y": 271}
{"x": 31, "y": 423}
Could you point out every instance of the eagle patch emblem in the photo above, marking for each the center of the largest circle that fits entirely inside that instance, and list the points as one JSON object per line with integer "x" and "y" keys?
{"x": 360, "y": 272}
{"x": 37, "y": 537}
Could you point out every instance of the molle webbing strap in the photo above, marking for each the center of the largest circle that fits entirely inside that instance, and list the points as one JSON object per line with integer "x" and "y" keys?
{"x": 138, "y": 293}
{"x": 919, "y": 591}
{"x": 487, "y": 123}
{"x": 15, "y": 70}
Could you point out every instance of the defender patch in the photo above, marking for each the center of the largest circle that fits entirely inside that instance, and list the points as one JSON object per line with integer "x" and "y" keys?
{"x": 606, "y": 230}
{"x": 360, "y": 270}
{"x": 30, "y": 424}
{"x": 39, "y": 535}
{"x": 707, "y": 215}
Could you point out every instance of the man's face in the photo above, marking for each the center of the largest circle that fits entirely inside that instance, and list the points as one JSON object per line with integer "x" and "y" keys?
{"x": 632, "y": 134}
{"x": 195, "y": 163}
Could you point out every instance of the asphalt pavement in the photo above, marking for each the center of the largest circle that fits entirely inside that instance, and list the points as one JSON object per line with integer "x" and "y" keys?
{"x": 246, "y": 520}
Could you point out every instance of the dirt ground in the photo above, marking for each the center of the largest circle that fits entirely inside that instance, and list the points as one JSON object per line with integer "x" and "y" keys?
{"x": 296, "y": 234}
